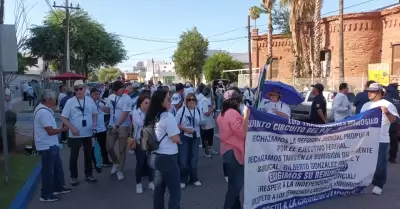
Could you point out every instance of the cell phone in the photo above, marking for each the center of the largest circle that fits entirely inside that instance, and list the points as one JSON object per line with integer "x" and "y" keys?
{"x": 84, "y": 123}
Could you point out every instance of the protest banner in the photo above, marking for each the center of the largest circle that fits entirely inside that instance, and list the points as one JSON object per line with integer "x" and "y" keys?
{"x": 289, "y": 163}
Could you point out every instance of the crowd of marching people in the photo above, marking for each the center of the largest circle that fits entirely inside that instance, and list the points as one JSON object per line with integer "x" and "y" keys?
{"x": 164, "y": 126}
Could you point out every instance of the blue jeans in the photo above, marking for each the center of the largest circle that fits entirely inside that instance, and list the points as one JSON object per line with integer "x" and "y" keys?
{"x": 381, "y": 166}
{"x": 188, "y": 158}
{"x": 219, "y": 102}
{"x": 236, "y": 180}
{"x": 52, "y": 171}
{"x": 166, "y": 175}
{"x": 142, "y": 167}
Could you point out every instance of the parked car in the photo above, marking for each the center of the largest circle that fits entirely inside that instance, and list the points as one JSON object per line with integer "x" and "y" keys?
{"x": 302, "y": 111}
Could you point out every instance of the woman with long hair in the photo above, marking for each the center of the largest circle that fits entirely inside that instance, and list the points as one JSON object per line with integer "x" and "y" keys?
{"x": 233, "y": 128}
{"x": 188, "y": 119}
{"x": 164, "y": 160}
{"x": 138, "y": 116}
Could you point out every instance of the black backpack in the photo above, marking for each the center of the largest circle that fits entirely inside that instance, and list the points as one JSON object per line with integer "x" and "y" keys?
{"x": 148, "y": 138}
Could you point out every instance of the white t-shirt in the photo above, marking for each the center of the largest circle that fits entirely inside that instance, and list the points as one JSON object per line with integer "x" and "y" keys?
{"x": 248, "y": 94}
{"x": 43, "y": 117}
{"x": 72, "y": 111}
{"x": 138, "y": 122}
{"x": 385, "y": 125}
{"x": 119, "y": 104}
{"x": 101, "y": 126}
{"x": 190, "y": 119}
{"x": 341, "y": 107}
{"x": 269, "y": 107}
{"x": 166, "y": 125}
{"x": 209, "y": 121}
{"x": 60, "y": 97}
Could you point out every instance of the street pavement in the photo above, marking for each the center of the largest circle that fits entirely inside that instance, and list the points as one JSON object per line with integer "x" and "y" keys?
{"x": 109, "y": 193}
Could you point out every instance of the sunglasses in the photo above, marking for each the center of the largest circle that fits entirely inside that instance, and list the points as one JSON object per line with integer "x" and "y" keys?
{"x": 78, "y": 89}
{"x": 191, "y": 100}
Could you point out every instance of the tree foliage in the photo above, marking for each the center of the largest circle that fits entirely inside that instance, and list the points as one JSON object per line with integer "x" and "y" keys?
{"x": 91, "y": 46}
{"x": 255, "y": 13}
{"x": 281, "y": 19}
{"x": 218, "y": 62}
{"x": 109, "y": 74}
{"x": 190, "y": 55}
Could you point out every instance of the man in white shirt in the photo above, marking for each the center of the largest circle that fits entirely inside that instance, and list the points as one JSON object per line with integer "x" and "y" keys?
{"x": 248, "y": 96}
{"x": 341, "y": 104}
{"x": 80, "y": 116}
{"x": 61, "y": 95}
{"x": 46, "y": 143}
{"x": 389, "y": 115}
{"x": 119, "y": 105}
{"x": 25, "y": 91}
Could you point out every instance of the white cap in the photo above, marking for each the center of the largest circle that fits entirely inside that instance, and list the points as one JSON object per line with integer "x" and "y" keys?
{"x": 176, "y": 98}
{"x": 187, "y": 84}
{"x": 79, "y": 83}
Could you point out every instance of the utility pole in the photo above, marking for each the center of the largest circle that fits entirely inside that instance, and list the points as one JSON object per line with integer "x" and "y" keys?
{"x": 341, "y": 43}
{"x": 2, "y": 106}
{"x": 249, "y": 40}
{"x": 67, "y": 7}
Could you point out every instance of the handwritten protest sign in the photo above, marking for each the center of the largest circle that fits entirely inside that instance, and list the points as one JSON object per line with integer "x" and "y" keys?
{"x": 289, "y": 163}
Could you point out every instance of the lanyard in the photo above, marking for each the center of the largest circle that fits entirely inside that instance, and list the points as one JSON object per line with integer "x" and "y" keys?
{"x": 80, "y": 106}
{"x": 115, "y": 103}
{"x": 193, "y": 117}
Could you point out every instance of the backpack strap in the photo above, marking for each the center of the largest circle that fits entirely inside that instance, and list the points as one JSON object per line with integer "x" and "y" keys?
{"x": 163, "y": 138}
{"x": 281, "y": 105}
{"x": 183, "y": 112}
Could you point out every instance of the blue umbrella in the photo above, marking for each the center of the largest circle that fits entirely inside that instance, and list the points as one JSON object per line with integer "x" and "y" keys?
{"x": 288, "y": 93}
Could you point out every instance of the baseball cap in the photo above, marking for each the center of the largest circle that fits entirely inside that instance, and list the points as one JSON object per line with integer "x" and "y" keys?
{"x": 176, "y": 98}
{"x": 318, "y": 86}
{"x": 375, "y": 87}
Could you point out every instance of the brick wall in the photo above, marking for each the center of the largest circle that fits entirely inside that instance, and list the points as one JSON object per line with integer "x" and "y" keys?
{"x": 368, "y": 38}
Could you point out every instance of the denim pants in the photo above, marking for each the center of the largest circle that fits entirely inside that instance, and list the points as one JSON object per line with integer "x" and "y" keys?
{"x": 380, "y": 175}
{"x": 394, "y": 145}
{"x": 166, "y": 175}
{"x": 236, "y": 181}
{"x": 188, "y": 158}
{"x": 52, "y": 173}
{"x": 141, "y": 165}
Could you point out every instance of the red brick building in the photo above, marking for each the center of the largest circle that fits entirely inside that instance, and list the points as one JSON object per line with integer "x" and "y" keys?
{"x": 369, "y": 37}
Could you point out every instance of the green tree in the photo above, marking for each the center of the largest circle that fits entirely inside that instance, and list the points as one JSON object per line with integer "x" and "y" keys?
{"x": 109, "y": 74}
{"x": 281, "y": 19}
{"x": 91, "y": 45}
{"x": 190, "y": 55}
{"x": 219, "y": 62}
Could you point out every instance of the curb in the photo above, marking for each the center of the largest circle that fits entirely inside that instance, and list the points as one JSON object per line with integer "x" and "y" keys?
{"x": 24, "y": 195}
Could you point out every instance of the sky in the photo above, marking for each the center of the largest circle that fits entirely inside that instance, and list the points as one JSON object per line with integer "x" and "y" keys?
{"x": 224, "y": 21}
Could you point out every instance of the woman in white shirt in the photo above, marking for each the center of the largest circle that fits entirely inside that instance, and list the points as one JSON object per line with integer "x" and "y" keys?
{"x": 138, "y": 116}
{"x": 188, "y": 118}
{"x": 164, "y": 160}
{"x": 274, "y": 105}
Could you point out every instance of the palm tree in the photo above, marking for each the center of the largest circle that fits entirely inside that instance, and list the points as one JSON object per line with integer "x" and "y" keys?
{"x": 300, "y": 11}
{"x": 255, "y": 13}
{"x": 267, "y": 6}
{"x": 317, "y": 38}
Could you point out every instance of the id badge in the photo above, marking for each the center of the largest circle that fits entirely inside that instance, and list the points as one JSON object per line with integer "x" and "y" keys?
{"x": 84, "y": 123}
